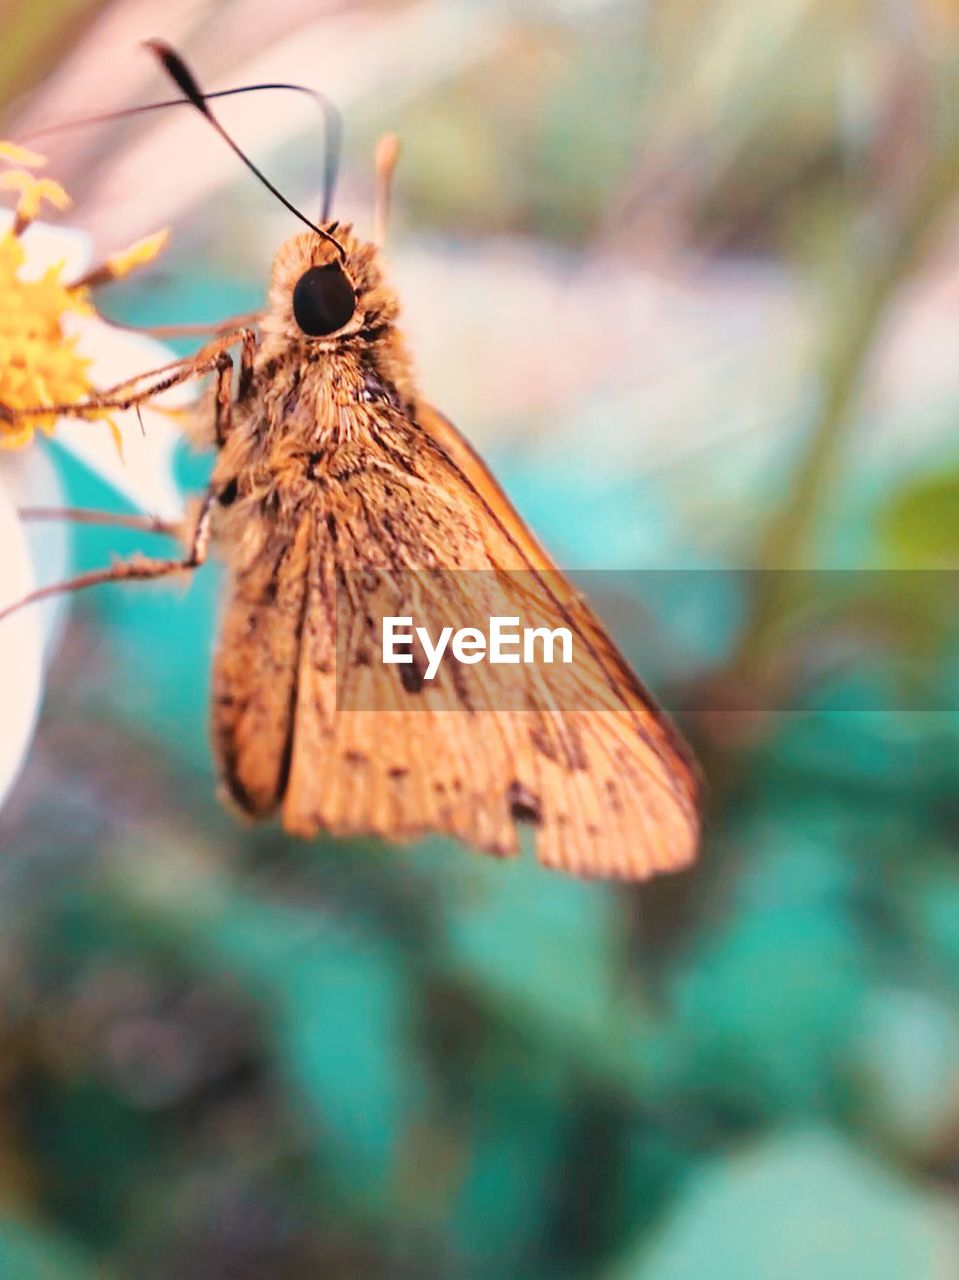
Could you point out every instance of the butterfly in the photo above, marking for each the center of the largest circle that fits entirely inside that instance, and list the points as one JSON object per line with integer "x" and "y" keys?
{"x": 340, "y": 496}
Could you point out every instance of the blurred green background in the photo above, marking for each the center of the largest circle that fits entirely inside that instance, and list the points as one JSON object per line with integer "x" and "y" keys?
{"x": 689, "y": 277}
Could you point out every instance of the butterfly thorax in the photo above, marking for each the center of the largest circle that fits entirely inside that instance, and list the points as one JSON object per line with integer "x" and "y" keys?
{"x": 321, "y": 413}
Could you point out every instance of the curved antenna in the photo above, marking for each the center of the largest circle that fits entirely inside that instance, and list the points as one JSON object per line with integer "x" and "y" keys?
{"x": 182, "y": 77}
{"x": 332, "y": 125}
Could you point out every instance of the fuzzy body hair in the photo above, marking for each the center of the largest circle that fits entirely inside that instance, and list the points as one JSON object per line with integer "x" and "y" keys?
{"x": 313, "y": 401}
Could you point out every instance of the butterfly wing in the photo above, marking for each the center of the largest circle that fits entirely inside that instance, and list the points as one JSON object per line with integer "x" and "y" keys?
{"x": 255, "y": 671}
{"x": 581, "y": 752}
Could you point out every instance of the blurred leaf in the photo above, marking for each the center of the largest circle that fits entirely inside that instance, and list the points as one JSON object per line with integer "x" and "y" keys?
{"x": 505, "y": 1197}
{"x": 910, "y": 1065}
{"x": 31, "y": 1251}
{"x": 337, "y": 1002}
{"x": 931, "y": 908}
{"x": 919, "y": 525}
{"x": 536, "y": 941}
{"x": 766, "y": 1003}
{"x": 795, "y": 1206}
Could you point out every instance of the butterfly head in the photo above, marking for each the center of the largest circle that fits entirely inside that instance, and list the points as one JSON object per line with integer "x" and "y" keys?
{"x": 322, "y": 296}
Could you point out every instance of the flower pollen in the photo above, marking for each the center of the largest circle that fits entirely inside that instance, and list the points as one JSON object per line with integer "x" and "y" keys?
{"x": 40, "y": 363}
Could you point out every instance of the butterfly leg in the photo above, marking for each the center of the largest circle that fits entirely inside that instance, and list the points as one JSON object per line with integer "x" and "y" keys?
{"x": 123, "y": 395}
{"x": 188, "y": 330}
{"x": 223, "y": 402}
{"x": 214, "y": 357}
{"x": 128, "y": 394}
{"x": 223, "y": 420}
{"x": 119, "y": 397}
{"x": 79, "y": 515}
{"x": 136, "y": 569}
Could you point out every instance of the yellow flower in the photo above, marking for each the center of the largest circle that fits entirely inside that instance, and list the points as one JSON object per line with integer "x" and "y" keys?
{"x": 21, "y": 155}
{"x": 40, "y": 363}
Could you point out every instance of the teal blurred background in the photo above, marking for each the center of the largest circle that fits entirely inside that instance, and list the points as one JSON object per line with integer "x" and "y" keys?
{"x": 689, "y": 278}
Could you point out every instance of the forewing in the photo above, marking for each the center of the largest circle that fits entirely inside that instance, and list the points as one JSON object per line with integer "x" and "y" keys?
{"x": 581, "y": 752}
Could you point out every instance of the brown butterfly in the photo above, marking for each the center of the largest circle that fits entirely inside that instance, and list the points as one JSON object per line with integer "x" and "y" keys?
{"x": 335, "y": 486}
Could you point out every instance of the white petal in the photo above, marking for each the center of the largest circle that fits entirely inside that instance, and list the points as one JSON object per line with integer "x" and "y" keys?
{"x": 20, "y": 649}
{"x": 49, "y": 246}
{"x": 30, "y": 479}
{"x": 144, "y": 474}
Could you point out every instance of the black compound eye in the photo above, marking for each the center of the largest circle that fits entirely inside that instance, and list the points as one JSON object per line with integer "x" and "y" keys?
{"x": 323, "y": 300}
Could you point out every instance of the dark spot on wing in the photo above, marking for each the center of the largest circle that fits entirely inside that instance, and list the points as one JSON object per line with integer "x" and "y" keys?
{"x": 561, "y": 743}
{"x": 524, "y": 806}
{"x": 542, "y": 742}
{"x": 411, "y": 676}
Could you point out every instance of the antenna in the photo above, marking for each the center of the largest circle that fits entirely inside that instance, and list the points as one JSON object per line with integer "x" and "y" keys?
{"x": 183, "y": 78}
